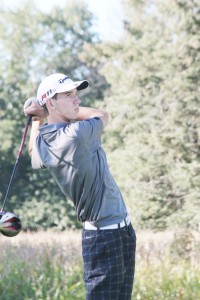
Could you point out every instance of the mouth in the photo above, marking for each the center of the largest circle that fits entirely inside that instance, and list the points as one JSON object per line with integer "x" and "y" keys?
{"x": 76, "y": 109}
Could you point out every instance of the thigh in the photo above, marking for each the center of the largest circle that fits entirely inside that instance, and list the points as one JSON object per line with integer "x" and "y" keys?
{"x": 103, "y": 264}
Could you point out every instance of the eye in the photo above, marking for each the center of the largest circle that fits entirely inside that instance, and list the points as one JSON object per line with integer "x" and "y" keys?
{"x": 71, "y": 94}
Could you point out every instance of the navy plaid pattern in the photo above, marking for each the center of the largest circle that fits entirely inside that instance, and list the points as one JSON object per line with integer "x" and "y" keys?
{"x": 109, "y": 263}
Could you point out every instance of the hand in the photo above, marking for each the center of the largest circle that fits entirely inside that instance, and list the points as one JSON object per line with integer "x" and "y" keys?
{"x": 29, "y": 101}
{"x": 32, "y": 107}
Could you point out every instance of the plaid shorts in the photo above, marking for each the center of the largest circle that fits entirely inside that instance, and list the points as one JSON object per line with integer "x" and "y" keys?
{"x": 109, "y": 263}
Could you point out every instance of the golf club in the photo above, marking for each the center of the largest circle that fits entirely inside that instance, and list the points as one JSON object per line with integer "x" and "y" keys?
{"x": 10, "y": 224}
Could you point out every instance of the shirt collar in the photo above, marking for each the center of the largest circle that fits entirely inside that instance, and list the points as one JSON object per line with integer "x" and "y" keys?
{"x": 46, "y": 128}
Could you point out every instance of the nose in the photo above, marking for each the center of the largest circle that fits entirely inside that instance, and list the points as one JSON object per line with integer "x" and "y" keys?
{"x": 77, "y": 100}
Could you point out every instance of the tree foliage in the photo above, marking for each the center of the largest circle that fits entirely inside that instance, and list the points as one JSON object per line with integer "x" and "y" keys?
{"x": 153, "y": 136}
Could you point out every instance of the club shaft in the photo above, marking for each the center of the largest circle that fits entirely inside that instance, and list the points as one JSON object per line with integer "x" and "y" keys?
{"x": 29, "y": 118}
{"x": 10, "y": 183}
{"x": 17, "y": 160}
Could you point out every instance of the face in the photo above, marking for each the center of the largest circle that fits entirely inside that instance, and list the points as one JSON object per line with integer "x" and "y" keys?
{"x": 65, "y": 107}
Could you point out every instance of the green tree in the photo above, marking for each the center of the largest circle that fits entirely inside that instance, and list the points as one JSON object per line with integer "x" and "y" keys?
{"x": 153, "y": 136}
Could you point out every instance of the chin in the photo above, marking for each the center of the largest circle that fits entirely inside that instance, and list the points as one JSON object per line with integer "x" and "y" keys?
{"x": 76, "y": 115}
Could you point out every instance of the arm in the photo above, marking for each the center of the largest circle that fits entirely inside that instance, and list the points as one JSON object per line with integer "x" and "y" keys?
{"x": 33, "y": 135}
{"x": 31, "y": 107}
{"x": 87, "y": 112}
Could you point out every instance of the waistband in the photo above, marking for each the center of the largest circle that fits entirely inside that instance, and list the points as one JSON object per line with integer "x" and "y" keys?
{"x": 87, "y": 225}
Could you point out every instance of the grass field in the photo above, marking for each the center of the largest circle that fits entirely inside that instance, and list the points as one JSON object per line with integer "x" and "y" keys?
{"x": 48, "y": 266}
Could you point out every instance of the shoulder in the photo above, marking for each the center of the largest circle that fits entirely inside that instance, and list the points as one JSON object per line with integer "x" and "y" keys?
{"x": 89, "y": 123}
{"x": 89, "y": 128}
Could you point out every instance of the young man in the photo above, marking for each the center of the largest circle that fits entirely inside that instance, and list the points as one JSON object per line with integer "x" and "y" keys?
{"x": 72, "y": 153}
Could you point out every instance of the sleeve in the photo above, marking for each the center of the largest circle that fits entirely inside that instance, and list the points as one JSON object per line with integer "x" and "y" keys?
{"x": 91, "y": 129}
{"x": 36, "y": 161}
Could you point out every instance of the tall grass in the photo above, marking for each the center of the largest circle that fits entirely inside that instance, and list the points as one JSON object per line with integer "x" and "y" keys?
{"x": 48, "y": 266}
{"x": 168, "y": 267}
{"x": 42, "y": 266}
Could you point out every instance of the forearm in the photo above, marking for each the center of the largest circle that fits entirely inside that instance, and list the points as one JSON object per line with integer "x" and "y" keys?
{"x": 88, "y": 112}
{"x": 34, "y": 133}
{"x": 39, "y": 113}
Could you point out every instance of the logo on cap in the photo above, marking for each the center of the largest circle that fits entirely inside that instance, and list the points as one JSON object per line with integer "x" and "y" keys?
{"x": 62, "y": 80}
{"x": 48, "y": 93}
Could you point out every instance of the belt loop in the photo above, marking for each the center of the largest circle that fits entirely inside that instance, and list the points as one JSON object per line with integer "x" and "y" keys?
{"x": 125, "y": 222}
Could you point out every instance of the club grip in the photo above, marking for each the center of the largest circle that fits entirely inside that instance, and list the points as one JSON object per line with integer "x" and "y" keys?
{"x": 29, "y": 118}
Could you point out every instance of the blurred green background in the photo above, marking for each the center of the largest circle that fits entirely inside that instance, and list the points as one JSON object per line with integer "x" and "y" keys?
{"x": 148, "y": 81}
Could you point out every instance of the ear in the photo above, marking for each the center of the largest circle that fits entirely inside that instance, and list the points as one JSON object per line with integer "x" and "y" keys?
{"x": 50, "y": 104}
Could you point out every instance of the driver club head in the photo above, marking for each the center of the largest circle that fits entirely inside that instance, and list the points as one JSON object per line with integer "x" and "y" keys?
{"x": 10, "y": 224}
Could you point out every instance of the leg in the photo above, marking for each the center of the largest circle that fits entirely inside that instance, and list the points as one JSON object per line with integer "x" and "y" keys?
{"x": 129, "y": 242}
{"x": 103, "y": 261}
{"x": 104, "y": 265}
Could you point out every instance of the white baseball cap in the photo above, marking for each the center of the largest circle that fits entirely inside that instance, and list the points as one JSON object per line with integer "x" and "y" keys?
{"x": 57, "y": 83}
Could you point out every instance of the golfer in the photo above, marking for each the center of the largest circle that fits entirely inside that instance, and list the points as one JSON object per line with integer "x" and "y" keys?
{"x": 69, "y": 147}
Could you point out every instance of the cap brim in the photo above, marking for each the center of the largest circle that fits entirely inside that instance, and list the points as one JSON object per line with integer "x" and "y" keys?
{"x": 83, "y": 85}
{"x": 79, "y": 85}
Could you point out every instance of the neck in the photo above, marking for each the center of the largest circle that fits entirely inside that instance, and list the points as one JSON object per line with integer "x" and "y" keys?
{"x": 55, "y": 117}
